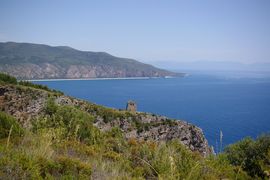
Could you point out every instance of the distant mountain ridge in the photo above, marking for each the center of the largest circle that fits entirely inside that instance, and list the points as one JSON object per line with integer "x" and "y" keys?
{"x": 38, "y": 61}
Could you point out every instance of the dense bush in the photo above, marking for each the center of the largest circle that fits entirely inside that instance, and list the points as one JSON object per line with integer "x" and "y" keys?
{"x": 29, "y": 84}
{"x": 12, "y": 80}
{"x": 7, "y": 78}
{"x": 252, "y": 155}
{"x": 8, "y": 124}
{"x": 51, "y": 107}
{"x": 74, "y": 122}
{"x": 108, "y": 114}
{"x": 19, "y": 163}
{"x": 38, "y": 86}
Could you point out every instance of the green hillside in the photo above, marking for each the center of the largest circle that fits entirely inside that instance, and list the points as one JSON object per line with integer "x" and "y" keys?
{"x": 56, "y": 62}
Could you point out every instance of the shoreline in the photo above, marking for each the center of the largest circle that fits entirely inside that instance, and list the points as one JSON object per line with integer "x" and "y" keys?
{"x": 93, "y": 79}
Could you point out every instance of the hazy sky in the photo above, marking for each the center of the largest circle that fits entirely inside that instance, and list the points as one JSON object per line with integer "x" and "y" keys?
{"x": 147, "y": 30}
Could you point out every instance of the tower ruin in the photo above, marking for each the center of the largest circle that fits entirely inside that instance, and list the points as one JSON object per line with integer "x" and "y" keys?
{"x": 131, "y": 106}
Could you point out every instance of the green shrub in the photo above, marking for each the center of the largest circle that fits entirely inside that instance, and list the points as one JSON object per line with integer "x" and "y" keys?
{"x": 112, "y": 155}
{"x": 29, "y": 84}
{"x": 6, "y": 122}
{"x": 174, "y": 160}
{"x": 50, "y": 107}
{"x": 74, "y": 167}
{"x": 220, "y": 167}
{"x": 114, "y": 140}
{"x": 108, "y": 114}
{"x": 250, "y": 155}
{"x": 79, "y": 149}
{"x": 75, "y": 123}
{"x": 7, "y": 78}
{"x": 38, "y": 86}
{"x": 19, "y": 164}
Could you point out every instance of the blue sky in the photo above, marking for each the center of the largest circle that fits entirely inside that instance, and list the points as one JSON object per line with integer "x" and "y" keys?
{"x": 147, "y": 30}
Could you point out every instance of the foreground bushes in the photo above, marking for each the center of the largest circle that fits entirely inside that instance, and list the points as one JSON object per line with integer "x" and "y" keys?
{"x": 66, "y": 145}
{"x": 40, "y": 155}
{"x": 8, "y": 124}
{"x": 23, "y": 162}
{"x": 251, "y": 155}
{"x": 74, "y": 123}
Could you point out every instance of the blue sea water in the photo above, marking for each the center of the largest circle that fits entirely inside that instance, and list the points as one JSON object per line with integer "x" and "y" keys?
{"x": 238, "y": 107}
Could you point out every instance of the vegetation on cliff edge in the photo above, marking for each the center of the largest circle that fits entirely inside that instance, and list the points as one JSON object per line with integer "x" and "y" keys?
{"x": 5, "y": 78}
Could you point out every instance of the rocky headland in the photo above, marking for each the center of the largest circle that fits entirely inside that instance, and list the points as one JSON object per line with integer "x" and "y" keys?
{"x": 26, "y": 104}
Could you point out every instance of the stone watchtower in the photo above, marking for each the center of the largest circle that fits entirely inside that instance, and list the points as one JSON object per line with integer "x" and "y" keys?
{"x": 131, "y": 106}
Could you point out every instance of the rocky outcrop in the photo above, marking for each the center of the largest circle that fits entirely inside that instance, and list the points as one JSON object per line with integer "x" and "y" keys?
{"x": 160, "y": 128}
{"x": 22, "y": 103}
{"x": 25, "y": 104}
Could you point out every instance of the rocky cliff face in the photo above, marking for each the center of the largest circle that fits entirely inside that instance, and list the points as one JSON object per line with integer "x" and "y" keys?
{"x": 25, "y": 104}
{"x": 52, "y": 71}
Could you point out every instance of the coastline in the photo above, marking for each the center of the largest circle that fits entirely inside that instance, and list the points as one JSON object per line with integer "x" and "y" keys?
{"x": 92, "y": 79}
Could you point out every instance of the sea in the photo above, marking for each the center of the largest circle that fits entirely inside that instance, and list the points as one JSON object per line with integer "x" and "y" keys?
{"x": 226, "y": 106}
